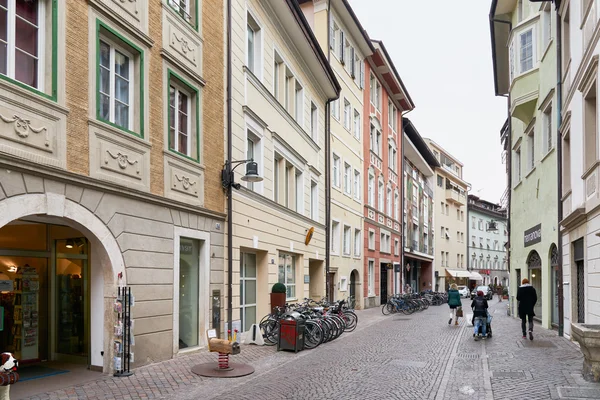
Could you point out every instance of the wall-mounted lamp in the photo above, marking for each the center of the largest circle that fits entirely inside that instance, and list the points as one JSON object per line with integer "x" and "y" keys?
{"x": 70, "y": 244}
{"x": 533, "y": 275}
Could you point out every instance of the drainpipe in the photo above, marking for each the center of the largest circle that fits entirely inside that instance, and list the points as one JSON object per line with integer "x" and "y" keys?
{"x": 559, "y": 272}
{"x": 229, "y": 190}
{"x": 402, "y": 221}
{"x": 328, "y": 295}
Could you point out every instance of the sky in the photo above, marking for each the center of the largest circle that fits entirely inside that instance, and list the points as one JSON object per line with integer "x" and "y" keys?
{"x": 442, "y": 51}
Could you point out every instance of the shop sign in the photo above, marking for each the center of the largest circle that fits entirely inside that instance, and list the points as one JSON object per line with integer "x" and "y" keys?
{"x": 6, "y": 286}
{"x": 396, "y": 267}
{"x": 533, "y": 235}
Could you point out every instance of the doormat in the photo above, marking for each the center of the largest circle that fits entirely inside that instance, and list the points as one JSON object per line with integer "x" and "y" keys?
{"x": 30, "y": 373}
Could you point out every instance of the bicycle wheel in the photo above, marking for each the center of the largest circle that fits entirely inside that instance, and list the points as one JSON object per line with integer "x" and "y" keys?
{"x": 351, "y": 321}
{"x": 313, "y": 335}
{"x": 386, "y": 309}
{"x": 270, "y": 331}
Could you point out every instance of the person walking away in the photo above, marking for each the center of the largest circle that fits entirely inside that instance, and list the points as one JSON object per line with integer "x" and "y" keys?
{"x": 479, "y": 305}
{"x": 499, "y": 290}
{"x": 453, "y": 302}
{"x": 527, "y": 297}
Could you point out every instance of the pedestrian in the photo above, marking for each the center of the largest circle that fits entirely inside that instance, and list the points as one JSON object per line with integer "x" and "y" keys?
{"x": 479, "y": 305}
{"x": 499, "y": 290}
{"x": 527, "y": 297}
{"x": 453, "y": 302}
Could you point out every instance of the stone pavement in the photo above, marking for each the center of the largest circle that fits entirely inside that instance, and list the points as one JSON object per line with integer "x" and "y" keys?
{"x": 388, "y": 357}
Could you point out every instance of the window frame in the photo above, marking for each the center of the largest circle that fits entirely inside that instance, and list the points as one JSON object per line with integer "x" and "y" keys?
{"x": 348, "y": 179}
{"x": 314, "y": 121}
{"x": 42, "y": 72}
{"x": 314, "y": 200}
{"x": 371, "y": 239}
{"x": 547, "y": 129}
{"x": 256, "y": 28}
{"x": 347, "y": 250}
{"x": 139, "y": 107}
{"x": 357, "y": 124}
{"x": 194, "y": 92}
{"x": 371, "y": 277}
{"x": 356, "y": 184}
{"x": 194, "y": 22}
{"x": 335, "y": 240}
{"x": 285, "y": 274}
{"x": 357, "y": 242}
{"x": 336, "y": 175}
{"x": 347, "y": 115}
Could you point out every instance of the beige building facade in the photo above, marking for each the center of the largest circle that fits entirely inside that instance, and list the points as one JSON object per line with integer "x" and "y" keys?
{"x": 110, "y": 152}
{"x": 281, "y": 82}
{"x": 450, "y": 216}
{"x": 347, "y": 45}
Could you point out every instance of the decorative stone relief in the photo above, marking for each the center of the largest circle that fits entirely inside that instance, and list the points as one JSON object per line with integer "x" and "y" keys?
{"x": 23, "y": 129}
{"x": 396, "y": 226}
{"x": 590, "y": 184}
{"x": 122, "y": 160}
{"x": 381, "y": 219}
{"x": 389, "y": 223}
{"x": 180, "y": 43}
{"x": 129, "y": 6}
{"x": 185, "y": 184}
{"x": 372, "y": 214}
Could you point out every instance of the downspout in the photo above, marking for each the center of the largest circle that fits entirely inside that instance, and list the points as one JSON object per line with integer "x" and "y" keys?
{"x": 402, "y": 221}
{"x": 559, "y": 271}
{"x": 328, "y": 295}
{"x": 229, "y": 189}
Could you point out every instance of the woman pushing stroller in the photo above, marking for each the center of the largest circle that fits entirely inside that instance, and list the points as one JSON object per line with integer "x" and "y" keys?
{"x": 479, "y": 305}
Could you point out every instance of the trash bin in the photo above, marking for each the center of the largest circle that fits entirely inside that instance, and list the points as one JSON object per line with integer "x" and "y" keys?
{"x": 291, "y": 332}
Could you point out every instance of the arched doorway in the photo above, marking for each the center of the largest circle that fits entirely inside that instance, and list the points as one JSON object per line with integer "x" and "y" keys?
{"x": 534, "y": 265}
{"x": 554, "y": 282}
{"x": 69, "y": 276}
{"x": 354, "y": 279}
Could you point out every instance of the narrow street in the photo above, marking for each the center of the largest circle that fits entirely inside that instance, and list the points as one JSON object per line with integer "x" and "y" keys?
{"x": 388, "y": 357}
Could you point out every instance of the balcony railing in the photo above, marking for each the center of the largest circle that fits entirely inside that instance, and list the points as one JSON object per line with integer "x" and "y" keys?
{"x": 428, "y": 190}
{"x": 456, "y": 197}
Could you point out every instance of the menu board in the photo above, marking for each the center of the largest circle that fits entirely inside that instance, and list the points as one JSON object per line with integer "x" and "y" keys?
{"x": 30, "y": 312}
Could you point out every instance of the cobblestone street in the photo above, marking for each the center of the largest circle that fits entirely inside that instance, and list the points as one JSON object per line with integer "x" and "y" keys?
{"x": 395, "y": 357}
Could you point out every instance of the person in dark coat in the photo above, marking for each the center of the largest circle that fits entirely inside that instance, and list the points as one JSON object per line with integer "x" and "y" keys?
{"x": 479, "y": 305}
{"x": 527, "y": 297}
{"x": 453, "y": 302}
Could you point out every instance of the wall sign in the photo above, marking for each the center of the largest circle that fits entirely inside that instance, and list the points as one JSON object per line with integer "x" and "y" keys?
{"x": 186, "y": 248}
{"x": 6, "y": 286}
{"x": 533, "y": 235}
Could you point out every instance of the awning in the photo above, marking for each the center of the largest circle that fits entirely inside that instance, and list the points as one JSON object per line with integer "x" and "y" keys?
{"x": 476, "y": 276}
{"x": 458, "y": 273}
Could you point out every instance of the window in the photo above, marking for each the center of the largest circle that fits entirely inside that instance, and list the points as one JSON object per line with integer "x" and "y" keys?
{"x": 289, "y": 78}
{"x": 361, "y": 78}
{"x": 23, "y": 43}
{"x": 447, "y": 234}
{"x": 314, "y": 200}
{"x": 357, "y": 129}
{"x": 473, "y": 222}
{"x": 187, "y": 10}
{"x": 347, "y": 238}
{"x": 248, "y": 290}
{"x": 590, "y": 127}
{"x": 356, "y": 184}
{"x": 380, "y": 196}
{"x": 462, "y": 237}
{"x": 335, "y": 109}
{"x": 189, "y": 292}
{"x": 287, "y": 273}
{"x": 253, "y": 151}
{"x": 526, "y": 53}
{"x": 447, "y": 209}
{"x": 299, "y": 103}
{"x": 531, "y": 149}
{"x": 183, "y": 117}
{"x": 371, "y": 239}
{"x": 333, "y": 33}
{"x": 473, "y": 239}
{"x": 442, "y": 231}
{"x": 276, "y": 183}
{"x": 375, "y": 140}
{"x": 385, "y": 242}
{"x": 357, "y": 243}
{"x": 443, "y": 264}
{"x": 341, "y": 47}
{"x": 335, "y": 235}
{"x": 396, "y": 247}
{"x": 116, "y": 83}
{"x": 277, "y": 76}
{"x": 547, "y": 26}
{"x": 314, "y": 121}
{"x": 371, "y": 189}
{"x": 487, "y": 243}
{"x": 462, "y": 216}
{"x": 566, "y": 39}
{"x": 481, "y": 242}
{"x": 458, "y": 236}
{"x": 371, "y": 278}
{"x": 372, "y": 88}
{"x": 480, "y": 226}
{"x": 389, "y": 201}
{"x": 440, "y": 181}
{"x": 253, "y": 45}
{"x": 378, "y": 95}
{"x": 299, "y": 192}
{"x": 397, "y": 207}
{"x": 547, "y": 129}
{"x": 518, "y": 165}
{"x": 390, "y": 106}
{"x": 336, "y": 171}
{"x": 347, "y": 115}
{"x": 566, "y": 163}
{"x": 520, "y": 11}
{"x": 347, "y": 177}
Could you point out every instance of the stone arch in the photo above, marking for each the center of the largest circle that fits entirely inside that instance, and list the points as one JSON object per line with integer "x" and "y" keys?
{"x": 534, "y": 260}
{"x": 354, "y": 287}
{"x": 105, "y": 253}
{"x": 57, "y": 205}
{"x": 553, "y": 255}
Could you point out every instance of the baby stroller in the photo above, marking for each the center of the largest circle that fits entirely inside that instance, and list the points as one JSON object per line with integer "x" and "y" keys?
{"x": 488, "y": 325}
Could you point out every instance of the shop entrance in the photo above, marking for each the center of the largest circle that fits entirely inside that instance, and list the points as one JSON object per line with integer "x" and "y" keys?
{"x": 45, "y": 293}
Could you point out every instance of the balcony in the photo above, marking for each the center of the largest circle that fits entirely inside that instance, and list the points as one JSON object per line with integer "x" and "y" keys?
{"x": 455, "y": 197}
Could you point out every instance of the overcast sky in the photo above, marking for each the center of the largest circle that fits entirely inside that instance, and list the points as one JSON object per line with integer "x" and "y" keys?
{"x": 441, "y": 49}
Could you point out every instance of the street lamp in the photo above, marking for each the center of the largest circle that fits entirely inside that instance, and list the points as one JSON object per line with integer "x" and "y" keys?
{"x": 228, "y": 182}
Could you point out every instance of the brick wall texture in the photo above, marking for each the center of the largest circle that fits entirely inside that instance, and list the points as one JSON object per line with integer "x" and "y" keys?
{"x": 213, "y": 95}
{"x": 213, "y": 30}
{"x": 77, "y": 92}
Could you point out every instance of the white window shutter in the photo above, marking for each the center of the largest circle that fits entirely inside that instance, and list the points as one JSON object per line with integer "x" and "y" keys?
{"x": 362, "y": 74}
